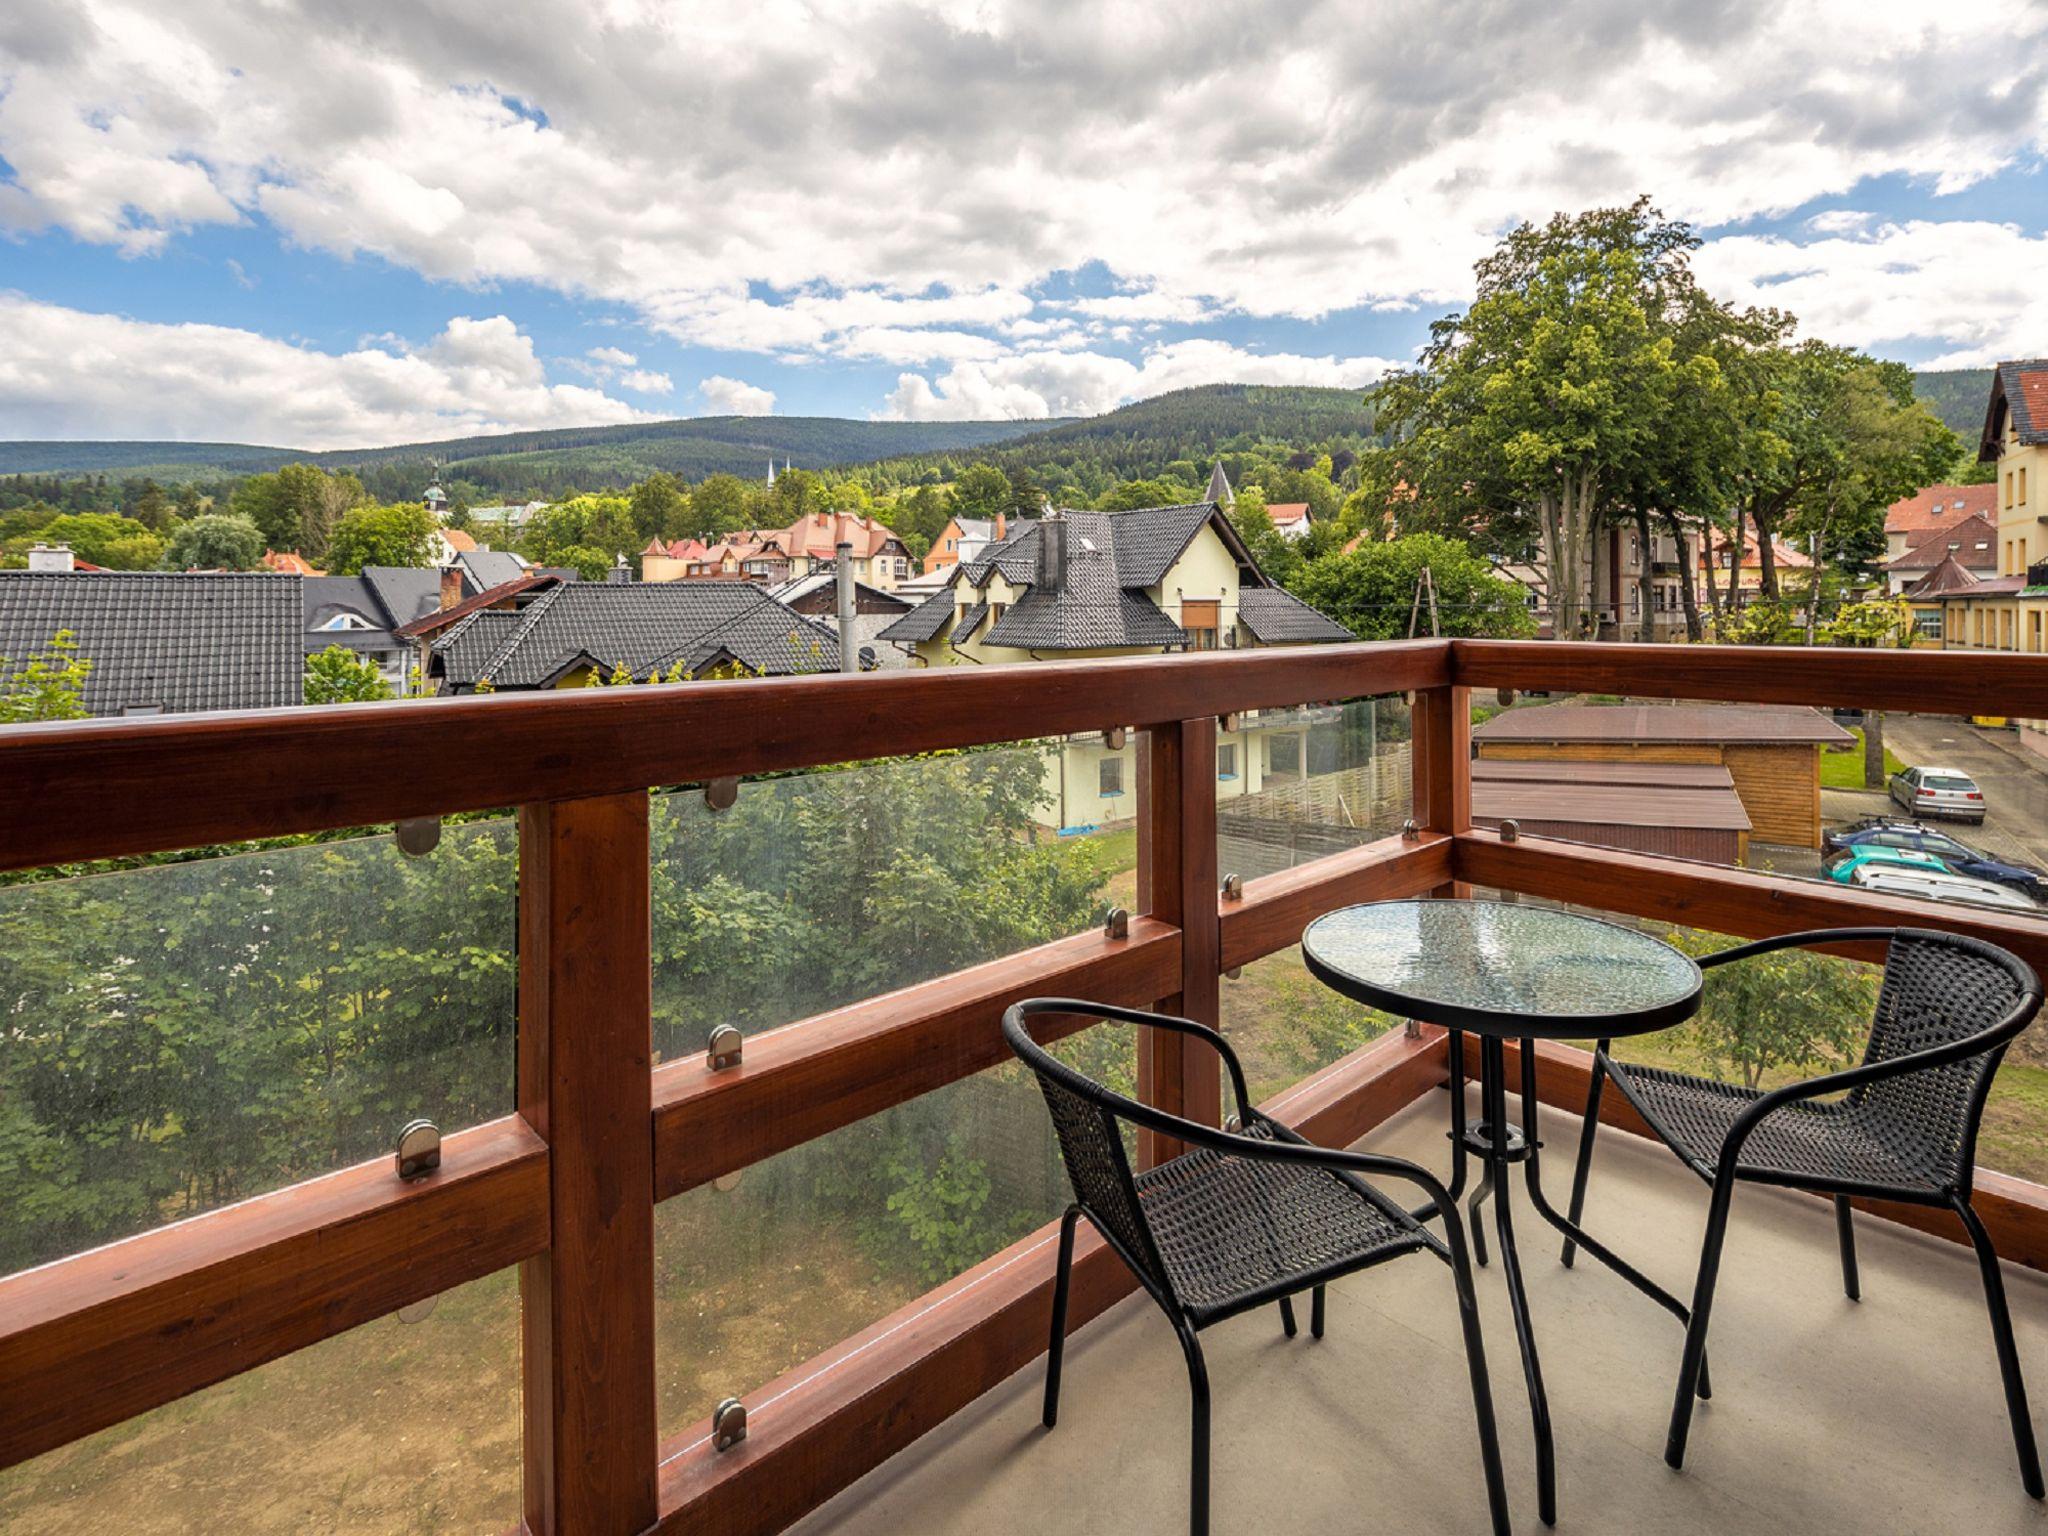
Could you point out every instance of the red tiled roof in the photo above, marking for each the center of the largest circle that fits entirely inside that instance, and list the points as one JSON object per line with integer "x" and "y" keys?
{"x": 283, "y": 562}
{"x": 1973, "y": 542}
{"x": 1786, "y": 555}
{"x": 1285, "y": 512}
{"x": 458, "y": 540}
{"x": 1938, "y": 506}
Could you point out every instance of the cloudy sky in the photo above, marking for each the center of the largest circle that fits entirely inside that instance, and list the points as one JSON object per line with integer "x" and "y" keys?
{"x": 338, "y": 222}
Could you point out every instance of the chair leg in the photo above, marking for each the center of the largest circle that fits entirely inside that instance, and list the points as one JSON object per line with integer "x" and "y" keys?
{"x": 1287, "y": 1315}
{"x": 1315, "y": 1314}
{"x": 1584, "y": 1170}
{"x": 1846, "y": 1231}
{"x": 2008, "y": 1355}
{"x": 1482, "y": 1390}
{"x": 1056, "y": 1347}
{"x": 1694, "y": 1361}
{"x": 1198, "y": 1381}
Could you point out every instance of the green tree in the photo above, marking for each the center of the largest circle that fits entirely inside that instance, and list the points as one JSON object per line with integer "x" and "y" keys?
{"x": 1275, "y": 555}
{"x": 217, "y": 541}
{"x": 719, "y": 504}
{"x": 49, "y": 685}
{"x": 151, "y": 507}
{"x": 1371, "y": 591}
{"x": 659, "y": 507}
{"x": 98, "y": 538}
{"x": 1787, "y": 1013}
{"x": 581, "y": 523}
{"x": 1132, "y": 494}
{"x": 298, "y": 507}
{"x": 399, "y": 534}
{"x": 338, "y": 676}
{"x": 1527, "y": 410}
{"x": 981, "y": 492}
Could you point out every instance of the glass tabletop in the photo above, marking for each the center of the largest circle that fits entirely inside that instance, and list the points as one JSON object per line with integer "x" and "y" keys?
{"x": 1502, "y": 968}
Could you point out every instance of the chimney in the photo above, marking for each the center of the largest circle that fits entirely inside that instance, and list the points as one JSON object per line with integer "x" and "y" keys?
{"x": 50, "y": 557}
{"x": 618, "y": 572}
{"x": 849, "y": 642}
{"x": 451, "y": 586}
{"x": 1052, "y": 553}
{"x": 1002, "y": 524}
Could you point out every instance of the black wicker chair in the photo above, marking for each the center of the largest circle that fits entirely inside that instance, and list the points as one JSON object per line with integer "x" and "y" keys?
{"x": 1901, "y": 1126}
{"x": 1237, "y": 1221}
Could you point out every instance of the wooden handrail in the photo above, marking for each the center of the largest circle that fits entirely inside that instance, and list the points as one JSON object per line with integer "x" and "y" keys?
{"x": 106, "y": 788}
{"x": 1932, "y": 682}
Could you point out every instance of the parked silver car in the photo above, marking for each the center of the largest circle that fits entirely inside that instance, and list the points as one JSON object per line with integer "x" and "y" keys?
{"x": 1935, "y": 886}
{"x": 1939, "y": 792}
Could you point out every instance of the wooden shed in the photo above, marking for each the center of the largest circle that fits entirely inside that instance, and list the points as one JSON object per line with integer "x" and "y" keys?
{"x": 1772, "y": 753}
{"x": 1678, "y": 810}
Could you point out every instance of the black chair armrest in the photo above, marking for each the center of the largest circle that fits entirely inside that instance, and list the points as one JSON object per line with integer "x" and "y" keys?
{"x": 1032, "y": 1007}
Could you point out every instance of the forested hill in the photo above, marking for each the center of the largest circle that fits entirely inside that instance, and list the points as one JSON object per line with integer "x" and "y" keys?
{"x": 1178, "y": 434}
{"x": 545, "y": 463}
{"x": 1958, "y": 397}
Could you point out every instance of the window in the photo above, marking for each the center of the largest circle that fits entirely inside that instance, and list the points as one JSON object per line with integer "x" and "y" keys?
{"x": 2023, "y": 485}
{"x": 346, "y": 621}
{"x": 1226, "y": 760}
{"x": 1109, "y": 777}
{"x": 1200, "y": 618}
{"x": 1283, "y": 754}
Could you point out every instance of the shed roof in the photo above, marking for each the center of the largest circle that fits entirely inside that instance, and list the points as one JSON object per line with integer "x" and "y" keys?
{"x": 1613, "y": 805}
{"x": 1645, "y": 775}
{"x": 1743, "y": 724}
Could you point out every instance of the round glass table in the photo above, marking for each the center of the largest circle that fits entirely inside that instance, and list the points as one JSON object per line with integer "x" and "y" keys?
{"x": 1501, "y": 971}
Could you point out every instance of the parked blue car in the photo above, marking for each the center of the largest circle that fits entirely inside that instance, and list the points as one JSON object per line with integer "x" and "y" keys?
{"x": 1960, "y": 857}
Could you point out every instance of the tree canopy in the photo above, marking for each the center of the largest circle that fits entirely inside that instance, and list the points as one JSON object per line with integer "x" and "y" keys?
{"x": 218, "y": 541}
{"x": 401, "y": 534}
{"x": 1371, "y": 590}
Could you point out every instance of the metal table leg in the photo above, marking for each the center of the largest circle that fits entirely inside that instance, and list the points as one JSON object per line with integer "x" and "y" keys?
{"x": 1493, "y": 1097}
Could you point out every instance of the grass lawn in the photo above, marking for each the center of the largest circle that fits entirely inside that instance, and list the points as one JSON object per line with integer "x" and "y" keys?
{"x": 1844, "y": 769}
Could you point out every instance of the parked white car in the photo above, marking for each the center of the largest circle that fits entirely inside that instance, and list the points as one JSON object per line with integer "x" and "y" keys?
{"x": 1934, "y": 885}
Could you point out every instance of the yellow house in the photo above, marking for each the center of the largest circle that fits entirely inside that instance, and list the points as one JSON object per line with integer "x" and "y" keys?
{"x": 2008, "y": 611}
{"x": 1148, "y": 581}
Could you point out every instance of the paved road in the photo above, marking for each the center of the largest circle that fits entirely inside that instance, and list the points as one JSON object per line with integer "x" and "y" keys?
{"x": 2014, "y": 781}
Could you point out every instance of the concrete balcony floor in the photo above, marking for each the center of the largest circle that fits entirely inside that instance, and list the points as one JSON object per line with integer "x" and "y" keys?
{"x": 1883, "y": 1416}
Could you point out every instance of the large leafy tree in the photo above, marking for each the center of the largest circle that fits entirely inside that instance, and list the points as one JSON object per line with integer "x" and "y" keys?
{"x": 981, "y": 492}
{"x": 400, "y": 534}
{"x": 1371, "y": 591}
{"x": 218, "y": 541}
{"x": 1527, "y": 412}
{"x": 719, "y": 504}
{"x": 1840, "y": 437}
{"x": 298, "y": 507}
{"x": 659, "y": 507}
{"x": 601, "y": 523}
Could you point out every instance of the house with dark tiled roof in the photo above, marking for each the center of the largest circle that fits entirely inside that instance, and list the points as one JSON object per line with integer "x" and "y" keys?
{"x": 163, "y": 642}
{"x": 1148, "y": 581}
{"x": 1970, "y": 541}
{"x": 1911, "y": 520}
{"x": 581, "y": 632}
{"x": 385, "y": 612}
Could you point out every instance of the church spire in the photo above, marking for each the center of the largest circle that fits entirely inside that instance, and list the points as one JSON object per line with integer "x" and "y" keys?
{"x": 1219, "y": 487}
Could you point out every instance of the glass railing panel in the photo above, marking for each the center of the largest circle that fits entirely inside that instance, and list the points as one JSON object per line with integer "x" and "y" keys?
{"x": 393, "y": 1427}
{"x": 184, "y": 1034}
{"x": 819, "y": 889}
{"x": 762, "y": 1271}
{"x": 1293, "y": 785}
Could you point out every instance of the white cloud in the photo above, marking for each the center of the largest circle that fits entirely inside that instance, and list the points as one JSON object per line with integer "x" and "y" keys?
{"x": 71, "y": 373}
{"x": 611, "y": 357}
{"x": 1037, "y": 384}
{"x": 645, "y": 381}
{"x": 1972, "y": 288}
{"x": 734, "y": 397}
{"x": 1244, "y": 157}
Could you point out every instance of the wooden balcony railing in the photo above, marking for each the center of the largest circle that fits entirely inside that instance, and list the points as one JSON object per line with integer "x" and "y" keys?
{"x": 567, "y": 1185}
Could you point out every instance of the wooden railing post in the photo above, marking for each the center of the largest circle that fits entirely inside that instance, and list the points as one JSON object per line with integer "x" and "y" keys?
{"x": 1441, "y": 723}
{"x": 586, "y": 1085}
{"x": 1177, "y": 883}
